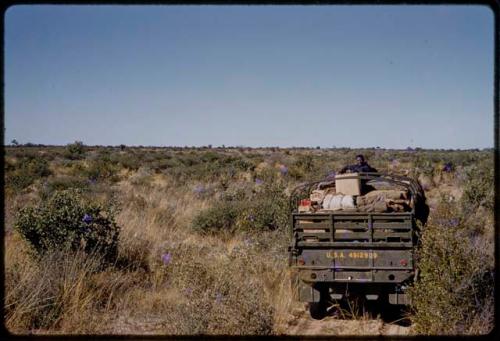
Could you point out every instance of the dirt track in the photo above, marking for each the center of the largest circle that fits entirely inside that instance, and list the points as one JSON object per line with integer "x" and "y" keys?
{"x": 299, "y": 325}
{"x": 303, "y": 324}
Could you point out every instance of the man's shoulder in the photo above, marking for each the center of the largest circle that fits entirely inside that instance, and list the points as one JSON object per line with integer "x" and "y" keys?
{"x": 366, "y": 168}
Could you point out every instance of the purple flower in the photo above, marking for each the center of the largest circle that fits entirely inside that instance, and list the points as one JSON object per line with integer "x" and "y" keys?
{"x": 448, "y": 222}
{"x": 218, "y": 298}
{"x": 166, "y": 258}
{"x": 283, "y": 170}
{"x": 251, "y": 217}
{"x": 189, "y": 291}
{"x": 451, "y": 222}
{"x": 259, "y": 181}
{"x": 448, "y": 167}
{"x": 199, "y": 189}
{"x": 87, "y": 218}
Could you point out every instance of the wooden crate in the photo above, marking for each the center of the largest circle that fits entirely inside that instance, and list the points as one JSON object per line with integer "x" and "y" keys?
{"x": 348, "y": 184}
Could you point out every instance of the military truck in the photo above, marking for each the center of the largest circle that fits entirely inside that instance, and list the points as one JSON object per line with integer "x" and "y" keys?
{"x": 337, "y": 254}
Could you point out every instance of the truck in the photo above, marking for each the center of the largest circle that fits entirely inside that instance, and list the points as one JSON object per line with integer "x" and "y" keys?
{"x": 337, "y": 254}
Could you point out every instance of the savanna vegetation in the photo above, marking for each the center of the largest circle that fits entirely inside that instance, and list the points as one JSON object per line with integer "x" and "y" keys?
{"x": 133, "y": 240}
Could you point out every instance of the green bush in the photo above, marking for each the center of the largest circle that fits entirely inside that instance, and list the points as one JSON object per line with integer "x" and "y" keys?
{"x": 479, "y": 188}
{"x": 205, "y": 166}
{"x": 423, "y": 166}
{"x": 100, "y": 169}
{"x": 221, "y": 216}
{"x": 264, "y": 208}
{"x": 75, "y": 151}
{"x": 454, "y": 291}
{"x": 130, "y": 162}
{"x": 24, "y": 173}
{"x": 68, "y": 221}
{"x": 62, "y": 183}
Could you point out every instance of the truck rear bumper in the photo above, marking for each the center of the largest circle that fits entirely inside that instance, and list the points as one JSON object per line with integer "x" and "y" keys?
{"x": 319, "y": 291}
{"x": 388, "y": 275}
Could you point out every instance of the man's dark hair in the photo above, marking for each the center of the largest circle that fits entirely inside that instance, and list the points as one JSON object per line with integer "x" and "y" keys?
{"x": 361, "y": 157}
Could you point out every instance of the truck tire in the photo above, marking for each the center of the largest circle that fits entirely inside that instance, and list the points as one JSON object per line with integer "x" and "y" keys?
{"x": 317, "y": 310}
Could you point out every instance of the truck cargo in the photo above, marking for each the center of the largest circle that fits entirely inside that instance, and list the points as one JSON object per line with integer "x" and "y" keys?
{"x": 360, "y": 241}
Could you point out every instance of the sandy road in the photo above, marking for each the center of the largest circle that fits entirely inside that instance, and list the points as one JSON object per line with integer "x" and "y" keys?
{"x": 303, "y": 324}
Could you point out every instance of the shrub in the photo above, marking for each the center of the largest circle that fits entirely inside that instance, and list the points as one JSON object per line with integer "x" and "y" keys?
{"x": 26, "y": 171}
{"x": 479, "y": 188}
{"x": 131, "y": 162}
{"x": 221, "y": 216}
{"x": 100, "y": 169}
{"x": 304, "y": 164}
{"x": 454, "y": 292}
{"x": 266, "y": 209}
{"x": 67, "y": 221}
{"x": 62, "y": 183}
{"x": 75, "y": 151}
{"x": 423, "y": 166}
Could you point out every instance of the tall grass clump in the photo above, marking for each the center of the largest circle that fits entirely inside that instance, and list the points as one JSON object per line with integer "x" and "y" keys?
{"x": 68, "y": 221}
{"x": 42, "y": 294}
{"x": 220, "y": 293}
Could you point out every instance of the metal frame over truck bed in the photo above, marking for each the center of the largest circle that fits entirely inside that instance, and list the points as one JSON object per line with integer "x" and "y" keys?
{"x": 369, "y": 253}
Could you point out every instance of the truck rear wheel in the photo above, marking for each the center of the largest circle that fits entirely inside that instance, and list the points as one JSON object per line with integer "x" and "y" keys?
{"x": 317, "y": 310}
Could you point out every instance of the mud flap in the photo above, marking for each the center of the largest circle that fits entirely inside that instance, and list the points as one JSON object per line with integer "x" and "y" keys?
{"x": 307, "y": 293}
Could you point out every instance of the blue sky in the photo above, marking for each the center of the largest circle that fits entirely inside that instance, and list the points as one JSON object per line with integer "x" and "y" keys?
{"x": 354, "y": 76}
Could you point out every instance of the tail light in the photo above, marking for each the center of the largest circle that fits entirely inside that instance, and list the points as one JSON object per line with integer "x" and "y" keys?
{"x": 305, "y": 202}
{"x": 403, "y": 262}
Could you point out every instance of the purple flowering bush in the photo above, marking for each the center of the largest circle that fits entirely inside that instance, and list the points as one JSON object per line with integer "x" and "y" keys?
{"x": 68, "y": 221}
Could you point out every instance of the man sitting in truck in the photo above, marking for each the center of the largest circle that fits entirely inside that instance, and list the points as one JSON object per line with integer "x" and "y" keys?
{"x": 361, "y": 167}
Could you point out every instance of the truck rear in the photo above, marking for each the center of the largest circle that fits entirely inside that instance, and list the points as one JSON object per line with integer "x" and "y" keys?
{"x": 359, "y": 250}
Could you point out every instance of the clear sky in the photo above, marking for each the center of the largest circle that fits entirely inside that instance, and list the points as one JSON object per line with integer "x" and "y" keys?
{"x": 353, "y": 76}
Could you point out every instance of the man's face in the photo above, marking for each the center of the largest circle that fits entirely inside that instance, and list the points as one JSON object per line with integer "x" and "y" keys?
{"x": 359, "y": 160}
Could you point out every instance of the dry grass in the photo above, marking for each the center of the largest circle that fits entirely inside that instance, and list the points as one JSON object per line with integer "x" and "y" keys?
{"x": 212, "y": 285}
{"x": 231, "y": 284}
{"x": 56, "y": 293}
